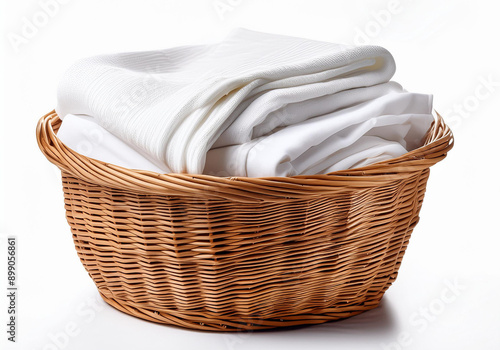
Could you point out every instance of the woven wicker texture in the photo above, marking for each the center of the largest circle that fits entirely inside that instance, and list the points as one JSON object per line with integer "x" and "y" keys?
{"x": 215, "y": 253}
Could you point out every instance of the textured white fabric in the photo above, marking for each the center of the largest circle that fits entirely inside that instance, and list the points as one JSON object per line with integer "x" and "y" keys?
{"x": 254, "y": 104}
{"x": 315, "y": 145}
{"x": 174, "y": 104}
{"x": 82, "y": 134}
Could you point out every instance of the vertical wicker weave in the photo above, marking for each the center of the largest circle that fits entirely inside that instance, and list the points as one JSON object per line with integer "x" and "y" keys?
{"x": 216, "y": 253}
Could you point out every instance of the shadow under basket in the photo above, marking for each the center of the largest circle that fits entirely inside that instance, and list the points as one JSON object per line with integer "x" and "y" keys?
{"x": 232, "y": 253}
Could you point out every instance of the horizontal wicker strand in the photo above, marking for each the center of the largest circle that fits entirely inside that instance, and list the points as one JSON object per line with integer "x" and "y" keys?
{"x": 438, "y": 142}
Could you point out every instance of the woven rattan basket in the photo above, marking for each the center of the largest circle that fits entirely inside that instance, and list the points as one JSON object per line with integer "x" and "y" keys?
{"x": 227, "y": 253}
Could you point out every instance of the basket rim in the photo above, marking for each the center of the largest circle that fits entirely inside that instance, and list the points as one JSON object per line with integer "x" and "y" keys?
{"x": 438, "y": 142}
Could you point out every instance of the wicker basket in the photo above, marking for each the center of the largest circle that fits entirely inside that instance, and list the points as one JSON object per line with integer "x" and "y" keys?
{"x": 231, "y": 253}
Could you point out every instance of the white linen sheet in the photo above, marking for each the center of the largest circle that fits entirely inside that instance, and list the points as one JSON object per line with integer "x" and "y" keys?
{"x": 255, "y": 104}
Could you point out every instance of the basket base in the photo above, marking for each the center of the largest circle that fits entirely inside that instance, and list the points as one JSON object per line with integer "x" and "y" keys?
{"x": 210, "y": 322}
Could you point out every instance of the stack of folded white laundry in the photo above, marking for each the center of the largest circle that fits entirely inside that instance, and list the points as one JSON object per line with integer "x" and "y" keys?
{"x": 253, "y": 105}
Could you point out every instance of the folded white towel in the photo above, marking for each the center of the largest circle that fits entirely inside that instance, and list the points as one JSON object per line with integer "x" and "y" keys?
{"x": 173, "y": 105}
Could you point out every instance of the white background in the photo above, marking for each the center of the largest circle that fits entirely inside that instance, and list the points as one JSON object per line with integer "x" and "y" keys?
{"x": 447, "y": 48}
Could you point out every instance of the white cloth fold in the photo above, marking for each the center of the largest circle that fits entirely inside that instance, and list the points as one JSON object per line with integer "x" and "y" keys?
{"x": 254, "y": 104}
{"x": 306, "y": 147}
{"x": 82, "y": 134}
